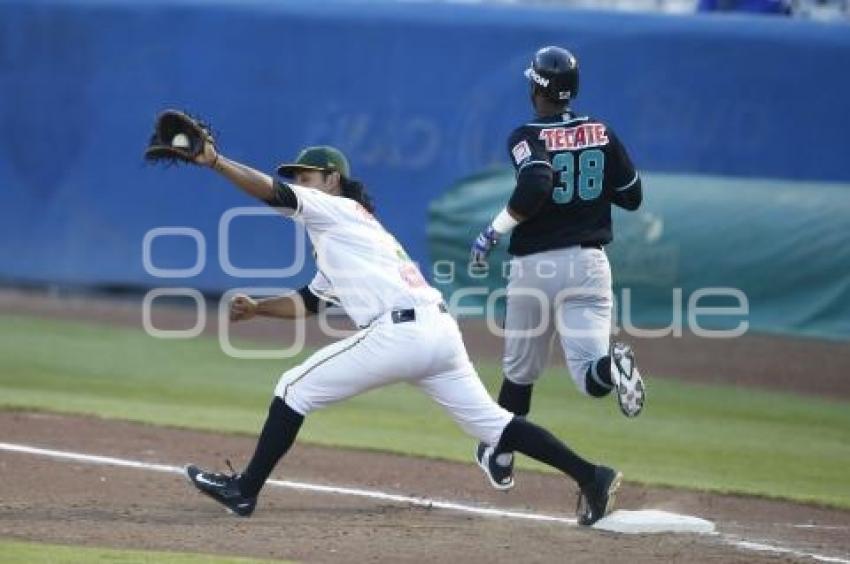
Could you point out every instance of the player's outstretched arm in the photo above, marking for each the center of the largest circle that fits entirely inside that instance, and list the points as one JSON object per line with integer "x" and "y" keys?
{"x": 289, "y": 306}
{"x": 251, "y": 181}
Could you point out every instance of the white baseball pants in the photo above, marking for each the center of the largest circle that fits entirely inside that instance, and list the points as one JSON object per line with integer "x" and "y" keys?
{"x": 427, "y": 352}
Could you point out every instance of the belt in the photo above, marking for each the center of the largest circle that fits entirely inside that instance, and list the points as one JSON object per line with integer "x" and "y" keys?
{"x": 405, "y": 315}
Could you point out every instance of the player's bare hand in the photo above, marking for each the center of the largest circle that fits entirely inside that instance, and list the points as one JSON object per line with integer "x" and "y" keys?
{"x": 209, "y": 155}
{"x": 242, "y": 308}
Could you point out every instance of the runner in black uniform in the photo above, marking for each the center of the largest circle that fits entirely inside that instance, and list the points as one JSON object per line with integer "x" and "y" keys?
{"x": 570, "y": 169}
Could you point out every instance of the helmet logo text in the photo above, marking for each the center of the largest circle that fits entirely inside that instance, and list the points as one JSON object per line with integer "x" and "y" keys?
{"x": 532, "y": 75}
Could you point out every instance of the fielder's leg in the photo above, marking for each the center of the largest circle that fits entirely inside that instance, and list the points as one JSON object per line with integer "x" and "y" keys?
{"x": 324, "y": 375}
{"x": 460, "y": 392}
{"x": 367, "y": 359}
{"x": 238, "y": 492}
{"x": 598, "y": 484}
{"x": 278, "y": 435}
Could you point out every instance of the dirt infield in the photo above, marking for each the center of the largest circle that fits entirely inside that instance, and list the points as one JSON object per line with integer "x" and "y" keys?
{"x": 75, "y": 503}
{"x": 70, "y": 502}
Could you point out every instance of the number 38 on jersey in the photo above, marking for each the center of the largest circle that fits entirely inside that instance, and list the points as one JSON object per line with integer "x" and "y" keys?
{"x": 585, "y": 170}
{"x": 578, "y": 161}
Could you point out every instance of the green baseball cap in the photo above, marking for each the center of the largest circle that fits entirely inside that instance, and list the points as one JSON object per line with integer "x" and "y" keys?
{"x": 317, "y": 158}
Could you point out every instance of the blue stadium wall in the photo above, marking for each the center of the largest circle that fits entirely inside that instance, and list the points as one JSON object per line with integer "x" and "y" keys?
{"x": 418, "y": 95}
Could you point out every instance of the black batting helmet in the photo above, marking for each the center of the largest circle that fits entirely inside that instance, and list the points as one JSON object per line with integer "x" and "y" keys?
{"x": 554, "y": 73}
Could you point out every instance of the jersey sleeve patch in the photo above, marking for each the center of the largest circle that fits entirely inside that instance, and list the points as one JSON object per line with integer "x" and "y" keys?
{"x": 521, "y": 151}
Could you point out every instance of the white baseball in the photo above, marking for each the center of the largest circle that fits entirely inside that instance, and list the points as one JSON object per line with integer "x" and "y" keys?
{"x": 181, "y": 141}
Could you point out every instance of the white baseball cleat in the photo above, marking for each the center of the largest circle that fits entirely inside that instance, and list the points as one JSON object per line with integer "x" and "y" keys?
{"x": 631, "y": 392}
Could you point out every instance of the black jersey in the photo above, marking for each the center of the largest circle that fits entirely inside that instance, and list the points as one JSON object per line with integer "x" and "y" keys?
{"x": 590, "y": 171}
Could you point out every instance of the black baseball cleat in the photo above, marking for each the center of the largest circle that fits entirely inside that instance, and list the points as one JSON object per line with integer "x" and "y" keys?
{"x": 223, "y": 488}
{"x": 630, "y": 389}
{"x": 501, "y": 476}
{"x": 596, "y": 499}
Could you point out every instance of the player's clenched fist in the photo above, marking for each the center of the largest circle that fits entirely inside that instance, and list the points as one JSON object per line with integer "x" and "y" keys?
{"x": 242, "y": 307}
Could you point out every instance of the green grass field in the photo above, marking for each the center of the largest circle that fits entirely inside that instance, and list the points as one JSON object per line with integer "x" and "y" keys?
{"x": 702, "y": 437}
{"x": 15, "y": 552}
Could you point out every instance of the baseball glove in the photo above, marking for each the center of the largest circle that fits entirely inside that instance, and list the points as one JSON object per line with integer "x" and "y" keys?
{"x": 177, "y": 137}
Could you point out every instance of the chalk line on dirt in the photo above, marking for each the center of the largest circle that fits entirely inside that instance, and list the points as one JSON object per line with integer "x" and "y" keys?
{"x": 406, "y": 500}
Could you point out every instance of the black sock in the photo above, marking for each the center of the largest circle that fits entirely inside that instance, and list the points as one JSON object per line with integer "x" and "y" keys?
{"x": 538, "y": 443}
{"x": 598, "y": 382}
{"x": 516, "y": 398}
{"x": 603, "y": 370}
{"x": 278, "y": 434}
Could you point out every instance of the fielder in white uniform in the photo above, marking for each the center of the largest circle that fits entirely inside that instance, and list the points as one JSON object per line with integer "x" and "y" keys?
{"x": 406, "y": 334}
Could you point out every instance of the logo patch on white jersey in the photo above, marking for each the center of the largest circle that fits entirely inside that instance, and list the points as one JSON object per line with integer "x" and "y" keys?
{"x": 521, "y": 151}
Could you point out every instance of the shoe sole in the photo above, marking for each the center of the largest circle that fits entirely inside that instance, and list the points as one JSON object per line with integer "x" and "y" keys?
{"x": 613, "y": 488}
{"x": 496, "y": 485}
{"x": 612, "y": 493}
{"x": 638, "y": 386}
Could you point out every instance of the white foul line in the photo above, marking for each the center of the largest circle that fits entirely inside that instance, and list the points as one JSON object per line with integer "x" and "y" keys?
{"x": 90, "y": 458}
{"x": 373, "y": 494}
{"x": 304, "y": 486}
{"x": 762, "y": 547}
